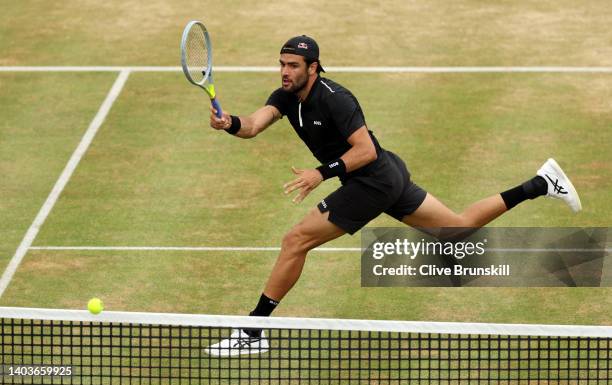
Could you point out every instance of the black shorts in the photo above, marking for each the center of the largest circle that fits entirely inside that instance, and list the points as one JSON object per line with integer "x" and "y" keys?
{"x": 386, "y": 188}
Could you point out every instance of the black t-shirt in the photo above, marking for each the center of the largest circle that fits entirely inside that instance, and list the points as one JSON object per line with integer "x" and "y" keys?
{"x": 325, "y": 120}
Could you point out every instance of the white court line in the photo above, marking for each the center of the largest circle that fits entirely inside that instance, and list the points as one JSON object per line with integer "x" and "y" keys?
{"x": 399, "y": 69}
{"x": 63, "y": 180}
{"x": 323, "y": 249}
{"x": 178, "y": 248}
{"x": 536, "y": 250}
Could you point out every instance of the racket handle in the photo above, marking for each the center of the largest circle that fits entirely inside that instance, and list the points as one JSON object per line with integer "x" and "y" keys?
{"x": 217, "y": 107}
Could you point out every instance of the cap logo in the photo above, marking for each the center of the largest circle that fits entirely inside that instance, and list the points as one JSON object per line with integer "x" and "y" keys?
{"x": 303, "y": 45}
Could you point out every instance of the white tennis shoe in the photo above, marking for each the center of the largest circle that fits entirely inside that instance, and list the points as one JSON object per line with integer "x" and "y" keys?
{"x": 559, "y": 185}
{"x": 239, "y": 343}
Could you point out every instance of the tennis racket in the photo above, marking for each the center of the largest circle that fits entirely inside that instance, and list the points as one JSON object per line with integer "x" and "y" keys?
{"x": 196, "y": 59}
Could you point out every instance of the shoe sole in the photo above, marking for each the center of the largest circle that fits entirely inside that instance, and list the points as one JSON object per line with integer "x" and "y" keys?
{"x": 571, "y": 188}
{"x": 233, "y": 352}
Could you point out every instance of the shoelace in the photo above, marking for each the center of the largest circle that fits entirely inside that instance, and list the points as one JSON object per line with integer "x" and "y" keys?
{"x": 243, "y": 342}
{"x": 558, "y": 188}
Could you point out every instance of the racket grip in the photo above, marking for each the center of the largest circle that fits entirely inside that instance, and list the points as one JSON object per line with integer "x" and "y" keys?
{"x": 217, "y": 107}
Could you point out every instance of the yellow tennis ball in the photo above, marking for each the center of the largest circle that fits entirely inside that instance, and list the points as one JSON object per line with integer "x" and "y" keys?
{"x": 95, "y": 306}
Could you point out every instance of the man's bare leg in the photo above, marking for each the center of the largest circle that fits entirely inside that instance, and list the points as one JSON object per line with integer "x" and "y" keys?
{"x": 434, "y": 214}
{"x": 550, "y": 180}
{"x": 314, "y": 230}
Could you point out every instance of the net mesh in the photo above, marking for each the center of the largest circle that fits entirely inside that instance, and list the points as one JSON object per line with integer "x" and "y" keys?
{"x": 154, "y": 353}
{"x": 196, "y": 53}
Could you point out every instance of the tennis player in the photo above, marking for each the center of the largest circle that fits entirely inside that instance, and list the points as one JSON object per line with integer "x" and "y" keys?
{"x": 328, "y": 118}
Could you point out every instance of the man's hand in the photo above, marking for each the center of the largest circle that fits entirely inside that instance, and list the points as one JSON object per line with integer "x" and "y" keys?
{"x": 222, "y": 123}
{"x": 306, "y": 181}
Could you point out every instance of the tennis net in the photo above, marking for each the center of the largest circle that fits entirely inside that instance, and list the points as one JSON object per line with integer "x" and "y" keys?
{"x": 46, "y": 346}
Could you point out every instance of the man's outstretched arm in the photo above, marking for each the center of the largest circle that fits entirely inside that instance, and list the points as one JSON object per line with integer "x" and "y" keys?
{"x": 245, "y": 126}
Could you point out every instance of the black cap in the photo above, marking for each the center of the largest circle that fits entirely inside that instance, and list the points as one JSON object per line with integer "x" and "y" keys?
{"x": 304, "y": 46}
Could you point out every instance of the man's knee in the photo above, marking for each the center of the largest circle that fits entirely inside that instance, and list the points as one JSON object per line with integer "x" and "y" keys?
{"x": 311, "y": 232}
{"x": 296, "y": 241}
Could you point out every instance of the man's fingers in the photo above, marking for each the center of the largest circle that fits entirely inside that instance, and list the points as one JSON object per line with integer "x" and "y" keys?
{"x": 215, "y": 122}
{"x": 293, "y": 185}
{"x": 290, "y": 186}
{"x": 306, "y": 182}
{"x": 296, "y": 171}
{"x": 300, "y": 197}
{"x": 213, "y": 114}
{"x": 293, "y": 182}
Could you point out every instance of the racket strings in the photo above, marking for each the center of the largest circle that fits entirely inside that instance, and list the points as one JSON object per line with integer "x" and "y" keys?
{"x": 197, "y": 54}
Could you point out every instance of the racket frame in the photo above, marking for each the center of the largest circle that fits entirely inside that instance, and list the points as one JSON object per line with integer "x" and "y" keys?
{"x": 208, "y": 76}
